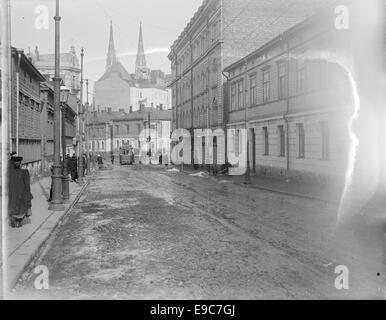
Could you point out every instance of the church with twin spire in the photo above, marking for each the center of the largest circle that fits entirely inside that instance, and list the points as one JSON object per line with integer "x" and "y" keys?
{"x": 118, "y": 90}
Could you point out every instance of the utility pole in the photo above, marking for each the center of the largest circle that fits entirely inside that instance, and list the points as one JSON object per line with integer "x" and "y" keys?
{"x": 80, "y": 122}
{"x": 87, "y": 131}
{"x": 56, "y": 203}
{"x": 5, "y": 124}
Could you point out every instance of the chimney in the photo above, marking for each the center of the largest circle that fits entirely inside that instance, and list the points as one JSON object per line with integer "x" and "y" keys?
{"x": 109, "y": 110}
{"x": 131, "y": 109}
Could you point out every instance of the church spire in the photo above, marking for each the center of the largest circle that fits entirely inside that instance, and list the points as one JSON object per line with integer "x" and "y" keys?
{"x": 140, "y": 62}
{"x": 111, "y": 54}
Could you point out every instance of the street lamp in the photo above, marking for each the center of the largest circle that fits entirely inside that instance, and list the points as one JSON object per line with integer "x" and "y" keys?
{"x": 64, "y": 94}
{"x": 87, "y": 130}
{"x": 56, "y": 203}
{"x": 80, "y": 122}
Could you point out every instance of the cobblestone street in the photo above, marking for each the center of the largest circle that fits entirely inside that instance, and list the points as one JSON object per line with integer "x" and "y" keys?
{"x": 142, "y": 233}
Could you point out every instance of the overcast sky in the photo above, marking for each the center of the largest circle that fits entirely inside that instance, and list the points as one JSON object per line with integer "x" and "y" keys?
{"x": 86, "y": 23}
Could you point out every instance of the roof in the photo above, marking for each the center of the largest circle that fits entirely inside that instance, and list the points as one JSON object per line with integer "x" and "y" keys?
{"x": 67, "y": 58}
{"x": 106, "y": 117}
{"x": 27, "y": 64}
{"x": 117, "y": 67}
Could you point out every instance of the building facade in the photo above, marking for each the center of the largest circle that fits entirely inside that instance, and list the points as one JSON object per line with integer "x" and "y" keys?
{"x": 69, "y": 68}
{"x": 108, "y": 131}
{"x": 296, "y": 101}
{"x": 220, "y": 33}
{"x": 32, "y": 120}
{"x": 27, "y": 109}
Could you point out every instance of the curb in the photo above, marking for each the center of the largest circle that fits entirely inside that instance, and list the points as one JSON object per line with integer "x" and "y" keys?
{"x": 254, "y": 186}
{"x": 36, "y": 252}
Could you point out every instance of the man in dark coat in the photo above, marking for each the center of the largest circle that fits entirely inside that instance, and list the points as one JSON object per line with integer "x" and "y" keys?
{"x": 73, "y": 167}
{"x": 19, "y": 193}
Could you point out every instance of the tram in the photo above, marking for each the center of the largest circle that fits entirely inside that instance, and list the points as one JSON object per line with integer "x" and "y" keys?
{"x": 126, "y": 154}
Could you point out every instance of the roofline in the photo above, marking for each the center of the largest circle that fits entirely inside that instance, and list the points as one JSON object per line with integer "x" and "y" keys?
{"x": 283, "y": 36}
{"x": 29, "y": 64}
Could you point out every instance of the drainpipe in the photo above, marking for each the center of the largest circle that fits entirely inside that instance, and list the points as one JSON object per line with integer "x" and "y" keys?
{"x": 19, "y": 53}
{"x": 191, "y": 102}
{"x": 247, "y": 176}
{"x": 225, "y": 111}
{"x": 287, "y": 109}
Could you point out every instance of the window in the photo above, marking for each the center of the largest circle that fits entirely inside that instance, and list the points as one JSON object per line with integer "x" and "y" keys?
{"x": 117, "y": 144}
{"x": 233, "y": 97}
{"x": 281, "y": 141}
{"x": 301, "y": 140}
{"x": 253, "y": 92}
{"x": 214, "y": 95}
{"x": 266, "y": 141}
{"x": 281, "y": 81}
{"x": 301, "y": 76}
{"x": 117, "y": 129}
{"x": 128, "y": 128}
{"x": 240, "y": 93}
{"x": 325, "y": 133}
{"x": 266, "y": 86}
{"x": 103, "y": 145}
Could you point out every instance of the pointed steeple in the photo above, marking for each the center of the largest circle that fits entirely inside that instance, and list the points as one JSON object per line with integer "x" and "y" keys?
{"x": 140, "y": 62}
{"x": 111, "y": 54}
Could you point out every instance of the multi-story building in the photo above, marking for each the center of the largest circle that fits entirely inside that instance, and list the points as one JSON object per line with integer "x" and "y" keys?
{"x": 32, "y": 120}
{"x": 219, "y": 33}
{"x": 294, "y": 96}
{"x": 69, "y": 68}
{"x": 119, "y": 90}
{"x": 26, "y": 117}
{"x": 108, "y": 131}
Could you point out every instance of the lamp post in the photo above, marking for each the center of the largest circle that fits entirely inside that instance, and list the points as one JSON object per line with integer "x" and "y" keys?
{"x": 65, "y": 179}
{"x": 87, "y": 130}
{"x": 80, "y": 122}
{"x": 56, "y": 203}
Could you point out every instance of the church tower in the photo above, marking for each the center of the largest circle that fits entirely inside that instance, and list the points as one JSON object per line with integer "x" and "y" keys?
{"x": 141, "y": 70}
{"x": 111, "y": 54}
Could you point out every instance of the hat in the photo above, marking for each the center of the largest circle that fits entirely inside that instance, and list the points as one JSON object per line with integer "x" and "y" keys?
{"x": 17, "y": 159}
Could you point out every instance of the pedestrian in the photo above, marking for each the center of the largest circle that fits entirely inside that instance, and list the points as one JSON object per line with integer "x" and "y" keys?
{"x": 52, "y": 172}
{"x": 112, "y": 158}
{"x": 100, "y": 161}
{"x": 73, "y": 167}
{"x": 19, "y": 193}
{"x": 84, "y": 163}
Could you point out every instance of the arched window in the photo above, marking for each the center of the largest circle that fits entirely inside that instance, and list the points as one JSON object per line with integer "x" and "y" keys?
{"x": 103, "y": 145}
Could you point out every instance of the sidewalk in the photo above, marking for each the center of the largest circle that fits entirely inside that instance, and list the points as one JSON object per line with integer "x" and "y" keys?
{"x": 24, "y": 243}
{"x": 331, "y": 193}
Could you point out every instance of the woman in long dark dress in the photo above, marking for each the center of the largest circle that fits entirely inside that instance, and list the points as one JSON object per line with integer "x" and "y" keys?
{"x": 19, "y": 194}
